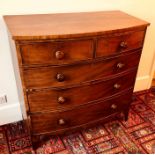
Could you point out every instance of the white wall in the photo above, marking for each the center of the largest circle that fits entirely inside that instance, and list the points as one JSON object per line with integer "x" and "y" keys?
{"x": 141, "y": 8}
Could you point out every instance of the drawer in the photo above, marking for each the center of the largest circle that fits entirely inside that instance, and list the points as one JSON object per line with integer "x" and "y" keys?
{"x": 116, "y": 44}
{"x": 52, "y": 121}
{"x": 56, "y": 52}
{"x": 45, "y": 77}
{"x": 68, "y": 98}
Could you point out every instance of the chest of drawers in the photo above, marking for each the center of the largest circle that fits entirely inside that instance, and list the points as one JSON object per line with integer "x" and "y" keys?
{"x": 75, "y": 69}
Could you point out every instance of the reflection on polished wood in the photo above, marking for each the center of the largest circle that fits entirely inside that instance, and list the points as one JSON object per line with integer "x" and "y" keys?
{"x": 77, "y": 69}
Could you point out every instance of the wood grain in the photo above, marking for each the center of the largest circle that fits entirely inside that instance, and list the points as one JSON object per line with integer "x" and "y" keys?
{"x": 107, "y": 46}
{"x": 48, "y": 122}
{"x": 67, "y": 25}
{"x": 77, "y": 69}
{"x": 45, "y": 52}
{"x": 48, "y": 99}
{"x": 44, "y": 77}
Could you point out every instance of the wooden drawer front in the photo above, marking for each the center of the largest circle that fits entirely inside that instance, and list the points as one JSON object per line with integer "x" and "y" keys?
{"x": 45, "y": 77}
{"x": 113, "y": 45}
{"x": 56, "y": 52}
{"x": 52, "y": 121}
{"x": 67, "y": 98}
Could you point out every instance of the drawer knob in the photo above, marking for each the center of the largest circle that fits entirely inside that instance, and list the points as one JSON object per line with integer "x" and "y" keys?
{"x": 113, "y": 106}
{"x": 61, "y": 121}
{"x": 61, "y": 100}
{"x": 123, "y": 44}
{"x": 117, "y": 86}
{"x": 59, "y": 55}
{"x": 60, "y": 77}
{"x": 120, "y": 65}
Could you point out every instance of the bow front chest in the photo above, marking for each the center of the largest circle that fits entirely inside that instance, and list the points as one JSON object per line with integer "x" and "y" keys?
{"x": 74, "y": 69}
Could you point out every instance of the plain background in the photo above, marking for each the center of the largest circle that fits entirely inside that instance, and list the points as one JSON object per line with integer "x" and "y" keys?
{"x": 144, "y": 9}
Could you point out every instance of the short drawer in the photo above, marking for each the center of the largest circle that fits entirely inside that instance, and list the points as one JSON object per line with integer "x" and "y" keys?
{"x": 53, "y": 121}
{"x": 68, "y": 98}
{"x": 45, "y": 77}
{"x": 61, "y": 52}
{"x": 116, "y": 44}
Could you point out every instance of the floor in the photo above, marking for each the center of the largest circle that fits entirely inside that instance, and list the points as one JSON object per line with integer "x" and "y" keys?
{"x": 137, "y": 135}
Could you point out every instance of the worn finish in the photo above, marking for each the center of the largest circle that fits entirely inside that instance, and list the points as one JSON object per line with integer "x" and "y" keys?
{"x": 67, "y": 25}
{"x": 115, "y": 44}
{"x": 78, "y": 116}
{"x": 76, "y": 96}
{"x": 56, "y": 52}
{"x": 44, "y": 77}
{"x": 77, "y": 74}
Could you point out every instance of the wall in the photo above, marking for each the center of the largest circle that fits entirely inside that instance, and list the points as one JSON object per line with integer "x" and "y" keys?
{"x": 141, "y": 8}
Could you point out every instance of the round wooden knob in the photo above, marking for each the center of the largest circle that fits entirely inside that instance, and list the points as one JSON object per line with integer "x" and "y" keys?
{"x": 60, "y": 77}
{"x": 123, "y": 44}
{"x": 59, "y": 55}
{"x": 113, "y": 106}
{"x": 61, "y": 100}
{"x": 120, "y": 65}
{"x": 117, "y": 86}
{"x": 61, "y": 121}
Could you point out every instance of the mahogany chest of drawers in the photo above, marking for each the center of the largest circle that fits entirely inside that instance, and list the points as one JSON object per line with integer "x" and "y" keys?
{"x": 76, "y": 69}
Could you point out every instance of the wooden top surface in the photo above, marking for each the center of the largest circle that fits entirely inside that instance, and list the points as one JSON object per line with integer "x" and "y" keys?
{"x": 64, "y": 25}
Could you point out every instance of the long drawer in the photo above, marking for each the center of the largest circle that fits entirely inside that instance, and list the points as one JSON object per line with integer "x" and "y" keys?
{"x": 53, "y": 121}
{"x": 51, "y": 76}
{"x": 54, "y": 99}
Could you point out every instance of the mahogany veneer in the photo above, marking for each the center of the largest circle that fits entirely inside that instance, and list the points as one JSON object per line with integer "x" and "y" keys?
{"x": 44, "y": 77}
{"x": 47, "y": 52}
{"x": 76, "y": 96}
{"x": 77, "y": 74}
